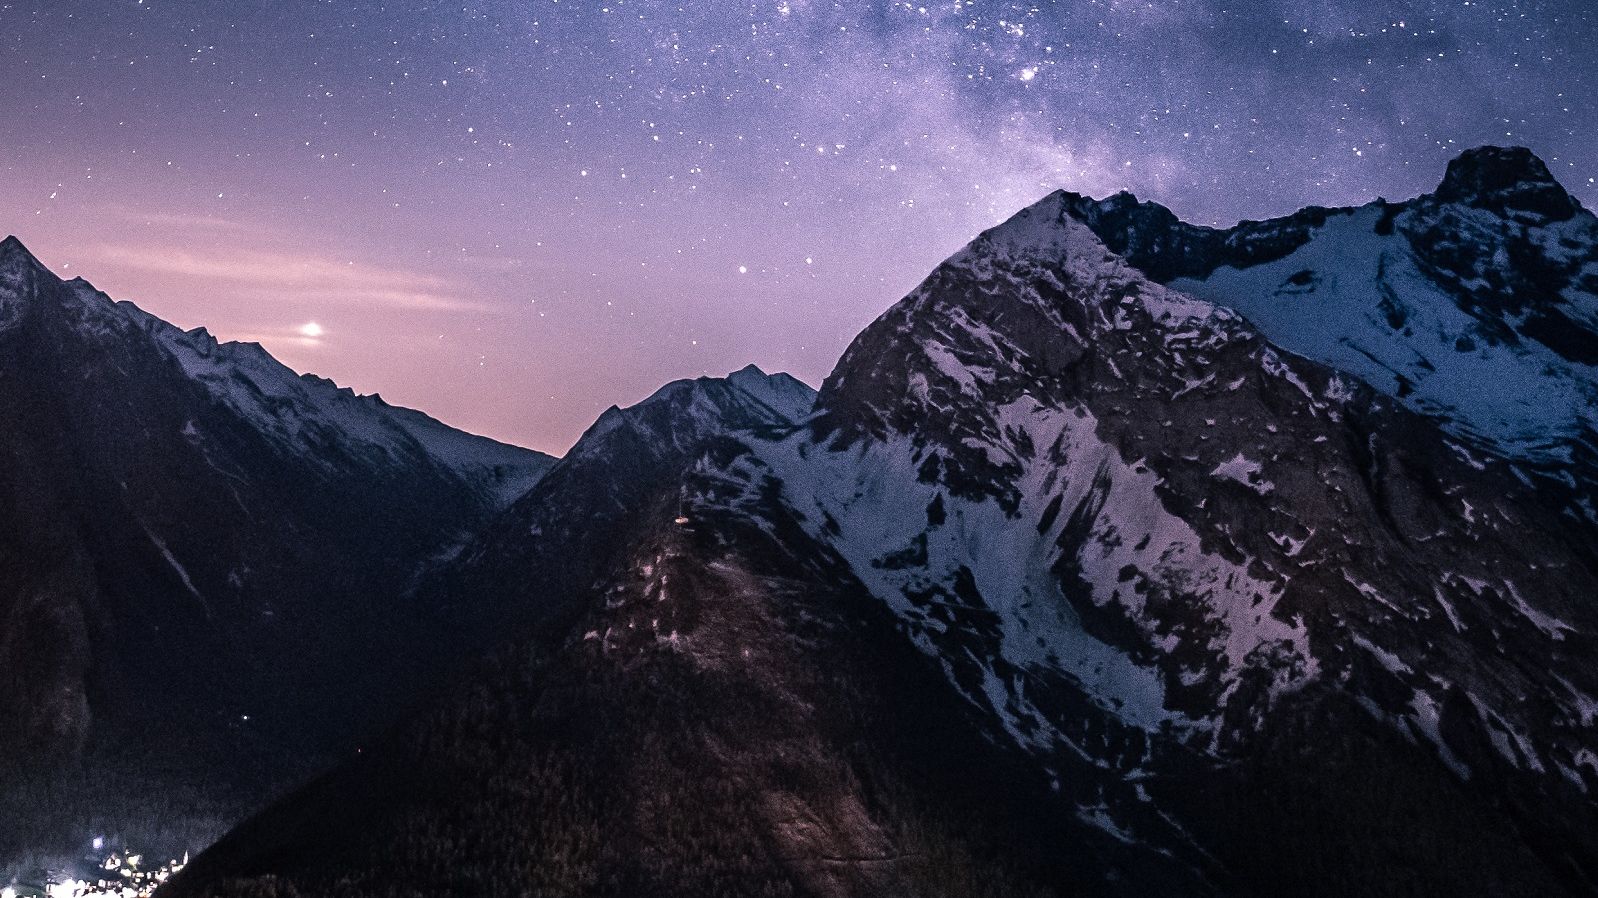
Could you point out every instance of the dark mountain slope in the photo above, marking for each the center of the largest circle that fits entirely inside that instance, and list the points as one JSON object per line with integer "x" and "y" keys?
{"x": 525, "y": 569}
{"x": 200, "y": 551}
{"x": 726, "y": 717}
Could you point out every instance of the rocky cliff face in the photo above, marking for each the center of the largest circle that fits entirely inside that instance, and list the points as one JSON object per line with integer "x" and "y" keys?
{"x": 1476, "y": 304}
{"x": 1147, "y": 541}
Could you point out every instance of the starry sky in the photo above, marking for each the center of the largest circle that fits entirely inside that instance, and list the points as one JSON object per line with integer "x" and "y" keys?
{"x": 514, "y": 213}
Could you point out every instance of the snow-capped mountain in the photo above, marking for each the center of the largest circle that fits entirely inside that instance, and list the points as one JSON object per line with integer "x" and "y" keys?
{"x": 199, "y": 546}
{"x": 303, "y": 411}
{"x": 571, "y": 525}
{"x": 1147, "y": 540}
{"x": 1071, "y": 582}
{"x": 1477, "y": 303}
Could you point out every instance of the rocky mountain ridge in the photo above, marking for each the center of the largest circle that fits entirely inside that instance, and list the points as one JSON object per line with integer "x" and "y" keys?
{"x": 1490, "y": 280}
{"x": 1227, "y": 619}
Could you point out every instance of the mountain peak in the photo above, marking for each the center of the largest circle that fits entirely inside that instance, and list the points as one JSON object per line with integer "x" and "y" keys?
{"x": 1505, "y": 178}
{"x": 20, "y": 278}
{"x": 748, "y": 374}
{"x": 1046, "y": 229}
{"x": 13, "y": 255}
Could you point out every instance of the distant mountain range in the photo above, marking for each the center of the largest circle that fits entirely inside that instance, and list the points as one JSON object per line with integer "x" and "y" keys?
{"x": 1122, "y": 557}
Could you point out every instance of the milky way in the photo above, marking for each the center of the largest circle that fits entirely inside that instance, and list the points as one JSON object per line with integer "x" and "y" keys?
{"x": 512, "y": 214}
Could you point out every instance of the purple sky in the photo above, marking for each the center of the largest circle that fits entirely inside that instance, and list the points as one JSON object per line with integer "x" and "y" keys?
{"x": 513, "y": 213}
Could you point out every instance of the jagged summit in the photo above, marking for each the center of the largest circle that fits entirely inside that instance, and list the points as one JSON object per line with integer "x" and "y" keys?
{"x": 1489, "y": 177}
{"x": 1042, "y": 227}
{"x": 20, "y": 275}
{"x": 790, "y": 397}
{"x": 684, "y": 411}
{"x": 15, "y": 258}
{"x": 1487, "y": 280}
{"x": 11, "y": 246}
{"x": 1053, "y": 233}
{"x": 752, "y": 376}
{"x": 1154, "y": 240}
{"x": 1501, "y": 179}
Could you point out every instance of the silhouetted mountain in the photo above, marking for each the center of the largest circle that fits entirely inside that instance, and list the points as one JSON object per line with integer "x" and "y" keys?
{"x": 201, "y": 552}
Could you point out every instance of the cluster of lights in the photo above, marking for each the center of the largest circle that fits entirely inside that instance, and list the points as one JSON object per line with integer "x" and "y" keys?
{"x": 123, "y": 879}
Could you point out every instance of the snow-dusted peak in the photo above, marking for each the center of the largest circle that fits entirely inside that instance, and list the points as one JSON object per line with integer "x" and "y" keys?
{"x": 746, "y": 398}
{"x": 29, "y": 289}
{"x": 1505, "y": 179}
{"x": 1477, "y": 304}
{"x": 305, "y": 408}
{"x": 684, "y": 412}
{"x": 18, "y": 269}
{"x": 782, "y": 392}
{"x": 13, "y": 253}
{"x": 303, "y": 416}
{"x": 1044, "y": 229}
{"x": 1085, "y": 276}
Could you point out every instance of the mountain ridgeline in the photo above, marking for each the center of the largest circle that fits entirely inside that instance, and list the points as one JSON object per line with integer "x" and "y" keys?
{"x": 1121, "y": 557}
{"x": 1476, "y": 304}
{"x": 201, "y": 561}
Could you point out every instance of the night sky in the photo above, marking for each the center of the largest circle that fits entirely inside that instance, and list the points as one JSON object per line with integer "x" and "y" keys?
{"x": 514, "y": 213}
